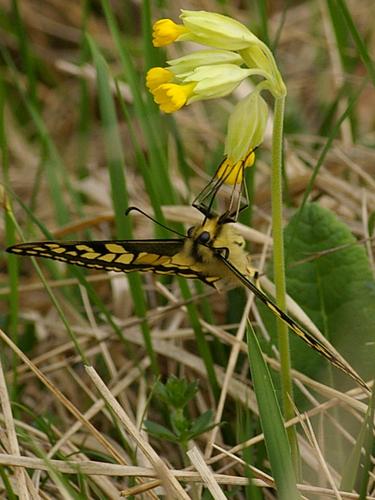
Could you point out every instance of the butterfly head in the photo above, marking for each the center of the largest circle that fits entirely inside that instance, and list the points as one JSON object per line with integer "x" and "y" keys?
{"x": 205, "y": 233}
{"x": 216, "y": 234}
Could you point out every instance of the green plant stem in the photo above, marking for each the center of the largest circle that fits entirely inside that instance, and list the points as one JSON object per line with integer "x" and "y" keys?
{"x": 279, "y": 268}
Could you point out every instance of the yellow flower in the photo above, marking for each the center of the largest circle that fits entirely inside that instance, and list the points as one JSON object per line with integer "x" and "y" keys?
{"x": 165, "y": 31}
{"x": 157, "y": 76}
{"x": 170, "y": 96}
{"x": 207, "y": 28}
{"x": 205, "y": 82}
{"x": 232, "y": 173}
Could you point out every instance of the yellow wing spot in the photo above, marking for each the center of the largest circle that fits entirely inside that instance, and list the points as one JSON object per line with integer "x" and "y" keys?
{"x": 126, "y": 258}
{"x": 86, "y": 248}
{"x": 182, "y": 261}
{"x": 72, "y": 252}
{"x": 16, "y": 250}
{"x": 58, "y": 249}
{"x": 162, "y": 260}
{"x": 52, "y": 245}
{"x": 189, "y": 275}
{"x": 107, "y": 257}
{"x": 272, "y": 307}
{"x": 90, "y": 255}
{"x": 39, "y": 249}
{"x": 114, "y": 248}
{"x": 146, "y": 258}
{"x": 212, "y": 279}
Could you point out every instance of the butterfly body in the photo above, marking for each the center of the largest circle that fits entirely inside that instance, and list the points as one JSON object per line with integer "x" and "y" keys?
{"x": 213, "y": 252}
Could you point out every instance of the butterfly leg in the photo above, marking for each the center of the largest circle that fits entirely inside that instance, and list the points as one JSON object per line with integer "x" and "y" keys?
{"x": 206, "y": 198}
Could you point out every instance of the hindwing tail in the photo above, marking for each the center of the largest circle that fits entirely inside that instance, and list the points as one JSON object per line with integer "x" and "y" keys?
{"x": 306, "y": 336}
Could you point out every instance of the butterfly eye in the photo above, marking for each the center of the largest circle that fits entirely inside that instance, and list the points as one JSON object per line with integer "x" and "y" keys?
{"x": 190, "y": 231}
{"x": 204, "y": 237}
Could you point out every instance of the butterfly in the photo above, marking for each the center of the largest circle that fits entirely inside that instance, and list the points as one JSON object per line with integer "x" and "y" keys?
{"x": 212, "y": 251}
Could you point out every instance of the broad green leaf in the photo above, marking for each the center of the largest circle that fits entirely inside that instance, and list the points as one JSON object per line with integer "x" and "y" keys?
{"x": 202, "y": 423}
{"x": 159, "y": 431}
{"x": 336, "y": 289}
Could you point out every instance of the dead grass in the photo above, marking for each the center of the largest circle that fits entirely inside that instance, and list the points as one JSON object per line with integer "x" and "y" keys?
{"x": 76, "y": 419}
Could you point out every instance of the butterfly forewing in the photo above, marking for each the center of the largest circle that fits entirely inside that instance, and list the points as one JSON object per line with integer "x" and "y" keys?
{"x": 157, "y": 256}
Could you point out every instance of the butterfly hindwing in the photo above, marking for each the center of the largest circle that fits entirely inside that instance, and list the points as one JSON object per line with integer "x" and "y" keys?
{"x": 307, "y": 337}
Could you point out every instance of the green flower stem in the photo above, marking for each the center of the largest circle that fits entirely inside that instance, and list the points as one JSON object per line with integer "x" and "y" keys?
{"x": 279, "y": 267}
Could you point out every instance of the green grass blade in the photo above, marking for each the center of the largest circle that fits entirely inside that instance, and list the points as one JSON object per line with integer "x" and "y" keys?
{"x": 116, "y": 163}
{"x": 76, "y": 272}
{"x": 328, "y": 144}
{"x": 147, "y": 114}
{"x": 53, "y": 163}
{"x": 27, "y": 58}
{"x": 10, "y": 237}
{"x": 116, "y": 167}
{"x": 7, "y": 479}
{"x": 202, "y": 344}
{"x": 275, "y": 435}
{"x": 157, "y": 175}
{"x": 341, "y": 32}
{"x": 366, "y": 471}
{"x": 263, "y": 17}
{"x": 358, "y": 466}
{"x": 152, "y": 55}
{"x": 52, "y": 296}
{"x": 141, "y": 161}
{"x": 361, "y": 47}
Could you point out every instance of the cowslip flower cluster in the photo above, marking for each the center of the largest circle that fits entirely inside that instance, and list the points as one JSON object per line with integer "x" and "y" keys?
{"x": 236, "y": 54}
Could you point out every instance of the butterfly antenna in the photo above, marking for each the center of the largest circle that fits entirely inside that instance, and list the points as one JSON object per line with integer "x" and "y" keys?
{"x": 136, "y": 209}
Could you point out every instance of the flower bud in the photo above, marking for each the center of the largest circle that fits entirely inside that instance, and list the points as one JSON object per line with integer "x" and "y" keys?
{"x": 165, "y": 31}
{"x": 246, "y": 126}
{"x": 157, "y": 76}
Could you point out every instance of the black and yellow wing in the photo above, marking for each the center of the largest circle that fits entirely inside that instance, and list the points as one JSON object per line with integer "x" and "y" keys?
{"x": 157, "y": 256}
{"x": 301, "y": 332}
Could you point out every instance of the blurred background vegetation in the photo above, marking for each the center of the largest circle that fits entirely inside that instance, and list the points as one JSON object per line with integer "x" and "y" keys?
{"x": 81, "y": 140}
